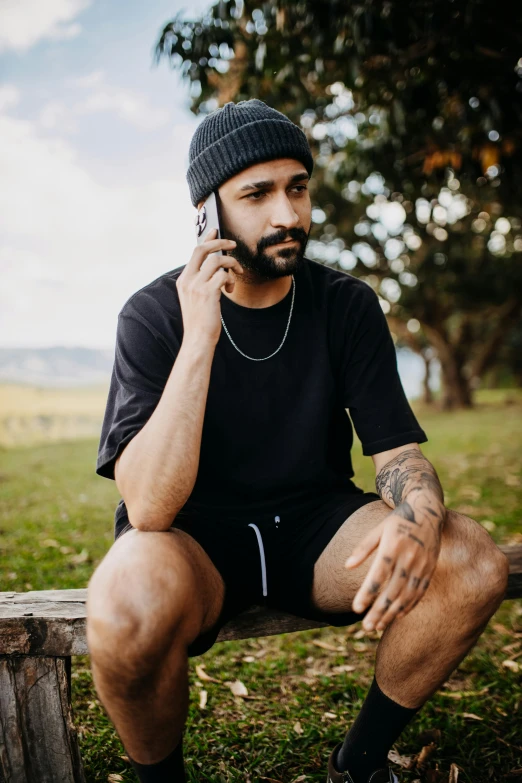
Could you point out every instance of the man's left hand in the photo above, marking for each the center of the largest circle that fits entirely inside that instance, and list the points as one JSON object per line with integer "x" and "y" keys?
{"x": 406, "y": 556}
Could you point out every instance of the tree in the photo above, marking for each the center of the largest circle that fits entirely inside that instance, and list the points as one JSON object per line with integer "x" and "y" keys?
{"x": 414, "y": 112}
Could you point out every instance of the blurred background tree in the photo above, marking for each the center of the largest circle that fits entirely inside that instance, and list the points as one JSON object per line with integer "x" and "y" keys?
{"x": 414, "y": 114}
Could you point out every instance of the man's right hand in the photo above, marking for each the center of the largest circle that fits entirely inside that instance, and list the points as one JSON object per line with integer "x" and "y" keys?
{"x": 199, "y": 289}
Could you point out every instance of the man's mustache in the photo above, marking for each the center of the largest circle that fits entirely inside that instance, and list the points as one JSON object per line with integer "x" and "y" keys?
{"x": 298, "y": 237}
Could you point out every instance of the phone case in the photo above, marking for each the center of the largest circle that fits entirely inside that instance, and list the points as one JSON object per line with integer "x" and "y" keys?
{"x": 207, "y": 219}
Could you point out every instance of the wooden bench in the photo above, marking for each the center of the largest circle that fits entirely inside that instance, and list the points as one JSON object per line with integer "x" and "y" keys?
{"x": 41, "y": 630}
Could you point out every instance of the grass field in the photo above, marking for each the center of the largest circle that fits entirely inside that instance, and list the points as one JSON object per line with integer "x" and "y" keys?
{"x": 56, "y": 524}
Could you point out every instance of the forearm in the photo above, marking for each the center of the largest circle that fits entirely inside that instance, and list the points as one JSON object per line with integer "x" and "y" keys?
{"x": 160, "y": 465}
{"x": 409, "y": 484}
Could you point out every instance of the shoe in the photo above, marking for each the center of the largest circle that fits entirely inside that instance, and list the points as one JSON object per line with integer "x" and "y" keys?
{"x": 378, "y": 776}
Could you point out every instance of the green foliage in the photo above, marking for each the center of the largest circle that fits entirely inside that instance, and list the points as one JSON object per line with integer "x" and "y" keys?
{"x": 414, "y": 113}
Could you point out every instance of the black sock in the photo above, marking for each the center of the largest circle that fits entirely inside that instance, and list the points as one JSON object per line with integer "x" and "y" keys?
{"x": 377, "y": 726}
{"x": 168, "y": 770}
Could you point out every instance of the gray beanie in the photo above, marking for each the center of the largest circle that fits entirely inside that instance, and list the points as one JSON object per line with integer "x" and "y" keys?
{"x": 237, "y": 136}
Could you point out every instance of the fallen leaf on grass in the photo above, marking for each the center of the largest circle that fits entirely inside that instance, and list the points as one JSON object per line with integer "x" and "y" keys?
{"x": 202, "y": 699}
{"x": 317, "y": 673}
{"x": 470, "y": 715}
{"x": 298, "y": 728}
{"x": 299, "y": 779}
{"x": 470, "y": 493}
{"x": 343, "y": 668}
{"x": 510, "y": 647}
{"x": 360, "y": 647}
{"x": 80, "y": 558}
{"x": 238, "y": 688}
{"x": 51, "y": 543}
{"x": 460, "y": 694}
{"x": 125, "y": 758}
{"x": 114, "y": 777}
{"x": 330, "y": 715}
{"x": 402, "y": 761}
{"x": 499, "y": 628}
{"x": 200, "y": 671}
{"x": 248, "y": 659}
{"x": 424, "y": 754}
{"x": 270, "y": 780}
{"x": 326, "y": 646}
{"x": 513, "y": 665}
{"x": 454, "y": 774}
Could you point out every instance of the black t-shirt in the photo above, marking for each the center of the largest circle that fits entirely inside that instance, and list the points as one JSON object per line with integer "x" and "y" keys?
{"x": 276, "y": 433}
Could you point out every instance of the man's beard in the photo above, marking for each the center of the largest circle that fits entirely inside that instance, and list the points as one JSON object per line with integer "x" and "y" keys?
{"x": 278, "y": 263}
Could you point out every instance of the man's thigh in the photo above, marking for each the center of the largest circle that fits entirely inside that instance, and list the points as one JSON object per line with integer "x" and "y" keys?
{"x": 155, "y": 574}
{"x": 466, "y": 548}
{"x": 334, "y": 586}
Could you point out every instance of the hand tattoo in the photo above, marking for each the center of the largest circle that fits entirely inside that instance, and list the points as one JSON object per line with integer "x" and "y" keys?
{"x": 409, "y": 484}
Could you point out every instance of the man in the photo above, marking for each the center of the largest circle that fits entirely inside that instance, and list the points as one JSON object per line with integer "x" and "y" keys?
{"x": 227, "y": 434}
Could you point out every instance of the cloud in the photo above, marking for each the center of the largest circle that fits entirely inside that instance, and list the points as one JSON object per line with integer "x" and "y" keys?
{"x": 25, "y": 22}
{"x": 74, "y": 249}
{"x": 56, "y": 114}
{"x": 9, "y": 96}
{"x": 130, "y": 106}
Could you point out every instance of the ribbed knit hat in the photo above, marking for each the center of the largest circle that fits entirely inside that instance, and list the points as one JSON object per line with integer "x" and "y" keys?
{"x": 237, "y": 136}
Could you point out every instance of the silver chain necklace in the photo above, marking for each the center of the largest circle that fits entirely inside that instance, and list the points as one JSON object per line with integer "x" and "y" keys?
{"x": 284, "y": 338}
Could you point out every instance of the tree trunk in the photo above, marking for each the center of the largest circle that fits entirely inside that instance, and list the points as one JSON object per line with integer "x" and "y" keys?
{"x": 427, "y": 395}
{"x": 456, "y": 391}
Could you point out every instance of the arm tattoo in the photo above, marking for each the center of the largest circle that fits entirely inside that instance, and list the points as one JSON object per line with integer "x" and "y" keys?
{"x": 409, "y": 484}
{"x": 406, "y": 511}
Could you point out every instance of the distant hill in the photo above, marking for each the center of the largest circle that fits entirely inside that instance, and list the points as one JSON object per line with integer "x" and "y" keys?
{"x": 55, "y": 367}
{"x": 60, "y": 367}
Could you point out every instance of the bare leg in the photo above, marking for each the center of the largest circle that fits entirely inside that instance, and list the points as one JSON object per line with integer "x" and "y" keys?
{"x": 418, "y": 652}
{"x": 151, "y": 596}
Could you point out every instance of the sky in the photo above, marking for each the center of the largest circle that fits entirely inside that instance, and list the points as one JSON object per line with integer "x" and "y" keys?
{"x": 94, "y": 139}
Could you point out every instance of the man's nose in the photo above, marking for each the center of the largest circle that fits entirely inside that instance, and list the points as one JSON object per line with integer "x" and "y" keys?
{"x": 284, "y": 213}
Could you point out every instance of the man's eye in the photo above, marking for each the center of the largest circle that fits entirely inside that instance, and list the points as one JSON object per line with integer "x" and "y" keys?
{"x": 263, "y": 193}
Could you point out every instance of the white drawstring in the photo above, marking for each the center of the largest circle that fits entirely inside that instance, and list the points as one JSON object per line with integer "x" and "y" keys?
{"x": 262, "y": 552}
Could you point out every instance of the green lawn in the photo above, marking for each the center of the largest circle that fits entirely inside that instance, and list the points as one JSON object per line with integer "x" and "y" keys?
{"x": 56, "y": 524}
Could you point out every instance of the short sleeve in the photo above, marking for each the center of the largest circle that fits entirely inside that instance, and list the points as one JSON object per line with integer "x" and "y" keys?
{"x": 142, "y": 365}
{"x": 372, "y": 388}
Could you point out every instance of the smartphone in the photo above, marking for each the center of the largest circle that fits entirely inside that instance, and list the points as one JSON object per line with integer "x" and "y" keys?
{"x": 208, "y": 217}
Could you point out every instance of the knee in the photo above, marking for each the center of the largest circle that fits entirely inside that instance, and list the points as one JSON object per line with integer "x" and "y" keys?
{"x": 474, "y": 566}
{"x": 491, "y": 574}
{"x": 131, "y": 627}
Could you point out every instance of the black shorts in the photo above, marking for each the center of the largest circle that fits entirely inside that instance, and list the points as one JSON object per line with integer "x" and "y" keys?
{"x": 269, "y": 560}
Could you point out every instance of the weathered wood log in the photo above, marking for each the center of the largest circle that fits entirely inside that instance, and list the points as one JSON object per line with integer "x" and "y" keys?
{"x": 40, "y": 630}
{"x": 39, "y": 739}
{"x": 52, "y": 622}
